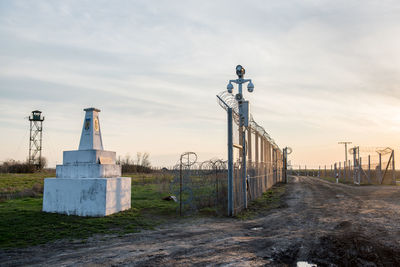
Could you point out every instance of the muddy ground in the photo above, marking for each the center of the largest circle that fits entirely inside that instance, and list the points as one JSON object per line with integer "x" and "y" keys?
{"x": 319, "y": 222}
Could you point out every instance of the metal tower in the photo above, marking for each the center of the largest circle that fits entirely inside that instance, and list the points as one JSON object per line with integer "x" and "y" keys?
{"x": 35, "y": 138}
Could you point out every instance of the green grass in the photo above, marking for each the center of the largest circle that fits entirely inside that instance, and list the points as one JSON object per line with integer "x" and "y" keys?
{"x": 17, "y": 182}
{"x": 271, "y": 199}
{"x": 22, "y": 223}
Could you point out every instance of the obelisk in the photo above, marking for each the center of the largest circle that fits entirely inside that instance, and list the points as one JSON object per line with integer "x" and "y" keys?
{"x": 88, "y": 183}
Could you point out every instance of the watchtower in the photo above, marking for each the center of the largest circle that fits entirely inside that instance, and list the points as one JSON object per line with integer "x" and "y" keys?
{"x": 35, "y": 138}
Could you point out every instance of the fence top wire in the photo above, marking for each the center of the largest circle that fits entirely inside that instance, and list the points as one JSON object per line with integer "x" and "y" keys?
{"x": 227, "y": 100}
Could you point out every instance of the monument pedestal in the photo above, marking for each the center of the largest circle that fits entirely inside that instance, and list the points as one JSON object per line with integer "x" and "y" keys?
{"x": 88, "y": 183}
{"x": 87, "y": 196}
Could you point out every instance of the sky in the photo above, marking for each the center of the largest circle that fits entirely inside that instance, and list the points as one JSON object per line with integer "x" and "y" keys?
{"x": 324, "y": 71}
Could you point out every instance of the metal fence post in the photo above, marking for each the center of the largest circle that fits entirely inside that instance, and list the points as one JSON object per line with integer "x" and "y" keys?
{"x": 380, "y": 168}
{"x": 360, "y": 169}
{"x": 369, "y": 169}
{"x": 230, "y": 163}
{"x": 393, "y": 169}
{"x": 244, "y": 167}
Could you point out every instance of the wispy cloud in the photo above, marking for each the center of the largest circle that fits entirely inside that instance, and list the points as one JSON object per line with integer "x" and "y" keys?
{"x": 322, "y": 69}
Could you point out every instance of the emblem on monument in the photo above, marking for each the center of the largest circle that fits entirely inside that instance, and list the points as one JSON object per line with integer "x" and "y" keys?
{"x": 87, "y": 124}
{"x": 96, "y": 124}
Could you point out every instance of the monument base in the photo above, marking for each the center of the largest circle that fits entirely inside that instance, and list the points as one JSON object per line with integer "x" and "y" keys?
{"x": 94, "y": 197}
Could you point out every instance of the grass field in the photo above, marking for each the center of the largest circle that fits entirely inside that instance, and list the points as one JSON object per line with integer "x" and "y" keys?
{"x": 22, "y": 223}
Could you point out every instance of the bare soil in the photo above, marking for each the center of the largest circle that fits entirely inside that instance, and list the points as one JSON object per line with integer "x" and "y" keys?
{"x": 319, "y": 222}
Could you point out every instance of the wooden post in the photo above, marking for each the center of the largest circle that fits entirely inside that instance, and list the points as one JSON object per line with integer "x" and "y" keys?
{"x": 340, "y": 166}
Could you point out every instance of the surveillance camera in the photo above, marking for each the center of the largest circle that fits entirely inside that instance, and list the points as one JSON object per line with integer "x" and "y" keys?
{"x": 238, "y": 97}
{"x": 240, "y": 71}
{"x": 250, "y": 87}
{"x": 230, "y": 88}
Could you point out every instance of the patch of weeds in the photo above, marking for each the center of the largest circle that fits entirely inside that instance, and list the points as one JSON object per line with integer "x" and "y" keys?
{"x": 271, "y": 199}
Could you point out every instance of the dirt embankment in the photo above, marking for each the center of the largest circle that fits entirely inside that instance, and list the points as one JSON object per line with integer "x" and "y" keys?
{"x": 319, "y": 222}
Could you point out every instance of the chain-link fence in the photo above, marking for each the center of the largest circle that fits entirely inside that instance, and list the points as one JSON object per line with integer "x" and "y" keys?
{"x": 364, "y": 168}
{"x": 199, "y": 185}
{"x": 257, "y": 161}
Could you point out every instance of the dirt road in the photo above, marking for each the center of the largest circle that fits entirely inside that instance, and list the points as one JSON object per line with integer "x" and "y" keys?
{"x": 319, "y": 222}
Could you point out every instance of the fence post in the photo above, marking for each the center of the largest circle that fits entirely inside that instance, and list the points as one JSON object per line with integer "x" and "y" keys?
{"x": 340, "y": 166}
{"x": 380, "y": 168}
{"x": 393, "y": 169}
{"x": 332, "y": 171}
{"x": 230, "y": 163}
{"x": 369, "y": 169}
{"x": 335, "y": 170}
{"x": 344, "y": 171}
{"x": 305, "y": 170}
{"x": 319, "y": 172}
{"x": 244, "y": 164}
{"x": 360, "y": 169}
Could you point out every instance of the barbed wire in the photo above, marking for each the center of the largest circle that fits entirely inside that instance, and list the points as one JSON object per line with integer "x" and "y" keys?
{"x": 227, "y": 100}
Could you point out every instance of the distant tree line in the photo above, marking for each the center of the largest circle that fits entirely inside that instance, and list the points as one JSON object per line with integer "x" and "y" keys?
{"x": 15, "y": 166}
{"x": 140, "y": 164}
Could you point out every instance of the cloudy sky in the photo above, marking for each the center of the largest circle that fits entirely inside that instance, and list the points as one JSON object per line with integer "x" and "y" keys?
{"x": 324, "y": 71}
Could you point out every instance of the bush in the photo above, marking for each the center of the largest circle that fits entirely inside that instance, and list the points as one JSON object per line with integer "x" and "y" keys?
{"x": 132, "y": 168}
{"x": 12, "y": 166}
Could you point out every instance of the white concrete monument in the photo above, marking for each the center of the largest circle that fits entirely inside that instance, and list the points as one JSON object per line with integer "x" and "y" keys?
{"x": 88, "y": 183}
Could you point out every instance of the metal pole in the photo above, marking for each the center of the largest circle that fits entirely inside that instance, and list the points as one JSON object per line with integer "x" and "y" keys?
{"x": 360, "y": 169}
{"x": 230, "y": 163}
{"x": 244, "y": 171}
{"x": 369, "y": 169}
{"x": 180, "y": 189}
{"x": 380, "y": 168}
{"x": 393, "y": 169}
{"x": 355, "y": 165}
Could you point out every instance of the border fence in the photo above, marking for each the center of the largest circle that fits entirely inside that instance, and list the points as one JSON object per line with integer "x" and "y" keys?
{"x": 368, "y": 166}
{"x": 256, "y": 160}
{"x": 199, "y": 185}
